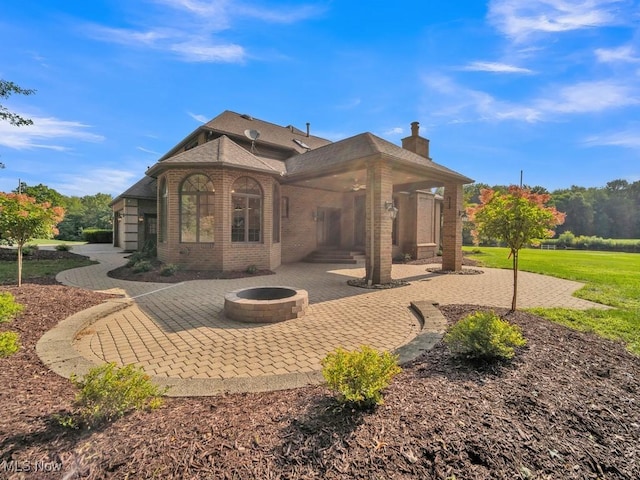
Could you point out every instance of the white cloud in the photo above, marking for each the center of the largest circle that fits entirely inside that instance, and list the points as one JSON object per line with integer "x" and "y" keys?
{"x": 462, "y": 104}
{"x": 46, "y": 132}
{"x": 188, "y": 28}
{"x": 518, "y": 19}
{"x": 626, "y": 139}
{"x": 187, "y": 46}
{"x": 198, "y": 117}
{"x": 201, "y": 51}
{"x": 495, "y": 67}
{"x": 590, "y": 97}
{"x": 287, "y": 15}
{"x": 105, "y": 180}
{"x": 146, "y": 150}
{"x": 624, "y": 54}
{"x": 394, "y": 131}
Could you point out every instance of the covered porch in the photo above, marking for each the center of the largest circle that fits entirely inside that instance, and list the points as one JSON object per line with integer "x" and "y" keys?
{"x": 380, "y": 184}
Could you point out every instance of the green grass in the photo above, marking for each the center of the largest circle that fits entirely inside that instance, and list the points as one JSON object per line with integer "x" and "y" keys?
{"x": 51, "y": 241}
{"x": 611, "y": 278}
{"x": 37, "y": 268}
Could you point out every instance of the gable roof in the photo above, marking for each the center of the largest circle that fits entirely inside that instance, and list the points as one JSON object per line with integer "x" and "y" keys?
{"x": 358, "y": 149}
{"x": 221, "y": 151}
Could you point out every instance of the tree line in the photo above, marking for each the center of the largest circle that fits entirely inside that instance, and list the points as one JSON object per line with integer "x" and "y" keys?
{"x": 612, "y": 211}
{"x": 81, "y": 213}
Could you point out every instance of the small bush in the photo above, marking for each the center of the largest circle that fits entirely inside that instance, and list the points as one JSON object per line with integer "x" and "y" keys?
{"x": 63, "y": 247}
{"x": 136, "y": 257}
{"x": 9, "y": 343}
{"x": 29, "y": 250}
{"x": 168, "y": 269}
{"x": 97, "y": 235}
{"x": 484, "y": 336}
{"x": 108, "y": 392}
{"x": 360, "y": 376}
{"x": 8, "y": 307}
{"x": 251, "y": 269}
{"x": 142, "y": 266}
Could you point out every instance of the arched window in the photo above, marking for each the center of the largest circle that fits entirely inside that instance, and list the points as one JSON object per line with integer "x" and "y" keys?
{"x": 276, "y": 213}
{"x": 164, "y": 199}
{"x": 246, "y": 199}
{"x": 196, "y": 209}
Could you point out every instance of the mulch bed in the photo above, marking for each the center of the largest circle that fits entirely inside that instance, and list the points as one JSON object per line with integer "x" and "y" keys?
{"x": 566, "y": 408}
{"x": 154, "y": 275}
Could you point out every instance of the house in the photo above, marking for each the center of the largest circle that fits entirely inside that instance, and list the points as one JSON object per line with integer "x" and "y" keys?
{"x": 240, "y": 192}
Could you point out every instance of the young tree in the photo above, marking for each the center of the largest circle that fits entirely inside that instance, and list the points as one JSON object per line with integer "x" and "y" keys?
{"x": 514, "y": 217}
{"x": 22, "y": 218}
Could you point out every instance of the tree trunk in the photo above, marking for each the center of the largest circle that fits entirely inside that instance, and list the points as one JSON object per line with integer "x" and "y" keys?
{"x": 19, "y": 265}
{"x": 514, "y": 253}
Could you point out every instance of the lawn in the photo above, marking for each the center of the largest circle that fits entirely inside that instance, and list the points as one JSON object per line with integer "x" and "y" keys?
{"x": 611, "y": 278}
{"x": 41, "y": 264}
{"x": 51, "y": 241}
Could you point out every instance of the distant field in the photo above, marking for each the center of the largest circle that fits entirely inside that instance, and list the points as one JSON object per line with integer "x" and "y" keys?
{"x": 611, "y": 278}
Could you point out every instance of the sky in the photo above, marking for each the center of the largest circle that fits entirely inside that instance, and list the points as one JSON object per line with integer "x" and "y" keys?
{"x": 549, "y": 88}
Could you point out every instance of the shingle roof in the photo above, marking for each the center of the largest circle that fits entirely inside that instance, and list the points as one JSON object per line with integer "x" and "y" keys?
{"x": 145, "y": 189}
{"x": 360, "y": 147}
{"x": 235, "y": 124}
{"x": 222, "y": 151}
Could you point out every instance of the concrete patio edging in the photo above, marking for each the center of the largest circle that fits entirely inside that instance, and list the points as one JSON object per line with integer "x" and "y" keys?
{"x": 55, "y": 349}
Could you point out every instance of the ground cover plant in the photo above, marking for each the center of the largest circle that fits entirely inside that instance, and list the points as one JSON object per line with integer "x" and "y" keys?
{"x": 611, "y": 278}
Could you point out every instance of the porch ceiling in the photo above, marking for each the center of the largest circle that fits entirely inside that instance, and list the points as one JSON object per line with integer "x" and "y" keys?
{"x": 348, "y": 181}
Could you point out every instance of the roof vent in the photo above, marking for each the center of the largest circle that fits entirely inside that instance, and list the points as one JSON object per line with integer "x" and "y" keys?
{"x": 302, "y": 144}
{"x": 247, "y": 117}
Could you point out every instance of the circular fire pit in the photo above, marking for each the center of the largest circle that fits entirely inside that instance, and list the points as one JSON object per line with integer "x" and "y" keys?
{"x": 265, "y": 304}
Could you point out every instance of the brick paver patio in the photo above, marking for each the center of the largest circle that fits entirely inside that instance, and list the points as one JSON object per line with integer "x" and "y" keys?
{"x": 179, "y": 330}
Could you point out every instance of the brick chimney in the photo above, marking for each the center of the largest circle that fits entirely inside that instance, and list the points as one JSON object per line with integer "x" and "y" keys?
{"x": 415, "y": 143}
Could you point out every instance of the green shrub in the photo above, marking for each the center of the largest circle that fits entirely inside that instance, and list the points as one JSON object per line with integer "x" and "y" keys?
{"x": 142, "y": 266}
{"x": 251, "y": 269}
{"x": 97, "y": 235}
{"x": 63, "y": 247}
{"x": 484, "y": 336}
{"x": 136, "y": 257}
{"x": 29, "y": 249}
{"x": 168, "y": 269}
{"x": 565, "y": 239}
{"x": 108, "y": 392}
{"x": 8, "y": 307}
{"x": 9, "y": 343}
{"x": 360, "y": 376}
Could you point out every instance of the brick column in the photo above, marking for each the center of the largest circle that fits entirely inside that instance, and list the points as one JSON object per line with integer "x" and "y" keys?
{"x": 379, "y": 191}
{"x": 452, "y": 227}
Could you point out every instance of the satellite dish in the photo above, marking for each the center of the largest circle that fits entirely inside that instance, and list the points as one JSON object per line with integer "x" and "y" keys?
{"x": 252, "y": 134}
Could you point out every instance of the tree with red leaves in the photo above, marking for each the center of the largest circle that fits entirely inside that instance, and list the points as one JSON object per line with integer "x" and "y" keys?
{"x": 515, "y": 217}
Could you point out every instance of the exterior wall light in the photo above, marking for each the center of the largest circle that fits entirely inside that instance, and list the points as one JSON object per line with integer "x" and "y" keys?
{"x": 393, "y": 211}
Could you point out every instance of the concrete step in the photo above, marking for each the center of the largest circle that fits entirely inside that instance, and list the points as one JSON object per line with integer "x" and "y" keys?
{"x": 335, "y": 256}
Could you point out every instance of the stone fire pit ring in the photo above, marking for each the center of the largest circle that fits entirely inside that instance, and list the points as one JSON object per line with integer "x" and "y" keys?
{"x": 266, "y": 304}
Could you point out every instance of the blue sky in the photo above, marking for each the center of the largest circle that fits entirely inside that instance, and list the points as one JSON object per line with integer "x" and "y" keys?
{"x": 550, "y": 87}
